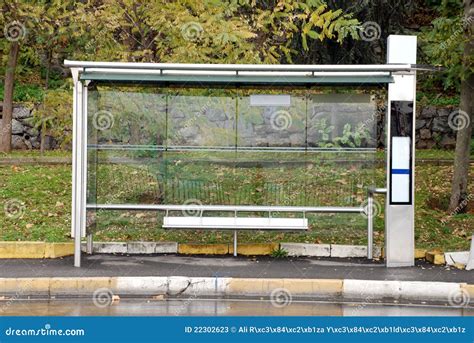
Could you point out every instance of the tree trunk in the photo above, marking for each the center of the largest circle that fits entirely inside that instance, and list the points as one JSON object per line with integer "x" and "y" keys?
{"x": 48, "y": 68}
{"x": 42, "y": 141}
{"x": 459, "y": 191}
{"x": 6, "y": 127}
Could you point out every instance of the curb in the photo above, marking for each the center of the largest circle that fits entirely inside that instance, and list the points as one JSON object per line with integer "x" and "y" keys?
{"x": 456, "y": 294}
{"x": 35, "y": 250}
{"x": 203, "y": 249}
{"x": 55, "y": 250}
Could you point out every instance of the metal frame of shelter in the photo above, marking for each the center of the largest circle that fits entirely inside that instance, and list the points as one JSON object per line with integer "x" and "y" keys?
{"x": 399, "y": 74}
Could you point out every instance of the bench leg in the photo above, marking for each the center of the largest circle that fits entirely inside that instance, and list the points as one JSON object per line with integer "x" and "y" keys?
{"x": 235, "y": 243}
{"x": 90, "y": 244}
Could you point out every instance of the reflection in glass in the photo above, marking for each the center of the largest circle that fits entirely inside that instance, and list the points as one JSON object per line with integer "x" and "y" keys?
{"x": 158, "y": 145}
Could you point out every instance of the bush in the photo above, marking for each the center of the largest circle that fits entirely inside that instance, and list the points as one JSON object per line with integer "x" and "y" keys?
{"x": 25, "y": 93}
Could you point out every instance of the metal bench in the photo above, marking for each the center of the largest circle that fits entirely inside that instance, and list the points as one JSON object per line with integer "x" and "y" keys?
{"x": 234, "y": 223}
{"x": 235, "y": 217}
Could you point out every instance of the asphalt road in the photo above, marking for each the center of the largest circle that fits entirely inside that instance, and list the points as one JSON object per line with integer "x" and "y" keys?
{"x": 263, "y": 267}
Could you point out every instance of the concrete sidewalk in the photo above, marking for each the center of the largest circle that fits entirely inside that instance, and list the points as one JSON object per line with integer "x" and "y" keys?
{"x": 242, "y": 267}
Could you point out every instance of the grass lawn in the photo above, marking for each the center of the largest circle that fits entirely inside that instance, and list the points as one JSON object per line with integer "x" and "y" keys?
{"x": 36, "y": 206}
{"x": 420, "y": 154}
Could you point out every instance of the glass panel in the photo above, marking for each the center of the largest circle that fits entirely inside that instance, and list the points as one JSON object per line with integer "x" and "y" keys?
{"x": 288, "y": 147}
{"x": 342, "y": 121}
{"x": 201, "y": 118}
{"x": 197, "y": 165}
{"x": 126, "y": 133}
{"x": 272, "y": 120}
{"x": 341, "y": 136}
{"x": 270, "y": 124}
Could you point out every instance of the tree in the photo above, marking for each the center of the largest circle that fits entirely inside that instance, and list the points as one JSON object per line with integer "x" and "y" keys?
{"x": 237, "y": 31}
{"x": 14, "y": 32}
{"x": 459, "y": 191}
{"x": 450, "y": 43}
{"x": 289, "y": 31}
{"x": 18, "y": 18}
{"x": 6, "y": 127}
{"x": 47, "y": 20}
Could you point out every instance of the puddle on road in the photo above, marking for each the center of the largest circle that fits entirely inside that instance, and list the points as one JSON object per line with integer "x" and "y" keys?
{"x": 193, "y": 307}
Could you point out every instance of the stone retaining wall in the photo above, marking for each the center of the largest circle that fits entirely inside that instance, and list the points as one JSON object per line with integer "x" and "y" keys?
{"x": 24, "y": 134}
{"x": 432, "y": 129}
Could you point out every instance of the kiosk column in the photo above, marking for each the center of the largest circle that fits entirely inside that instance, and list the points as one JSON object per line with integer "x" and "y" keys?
{"x": 400, "y": 202}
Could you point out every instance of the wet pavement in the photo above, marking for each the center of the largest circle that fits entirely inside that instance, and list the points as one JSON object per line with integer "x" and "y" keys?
{"x": 212, "y": 266}
{"x": 199, "y": 307}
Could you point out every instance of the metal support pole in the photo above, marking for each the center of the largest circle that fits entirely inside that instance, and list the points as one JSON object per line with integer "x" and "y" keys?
{"x": 235, "y": 243}
{"x": 370, "y": 219}
{"x": 77, "y": 171}
{"x": 370, "y": 225}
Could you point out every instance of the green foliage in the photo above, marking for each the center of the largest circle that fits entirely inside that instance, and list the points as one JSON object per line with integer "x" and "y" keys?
{"x": 288, "y": 27}
{"x": 443, "y": 43}
{"x": 241, "y": 31}
{"x": 25, "y": 93}
{"x": 349, "y": 139}
{"x": 429, "y": 99}
{"x": 184, "y": 31}
{"x": 48, "y": 36}
{"x": 54, "y": 116}
{"x": 353, "y": 139}
{"x": 324, "y": 131}
{"x": 279, "y": 253}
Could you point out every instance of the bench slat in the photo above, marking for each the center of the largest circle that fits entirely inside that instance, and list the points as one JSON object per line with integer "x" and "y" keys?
{"x": 235, "y": 223}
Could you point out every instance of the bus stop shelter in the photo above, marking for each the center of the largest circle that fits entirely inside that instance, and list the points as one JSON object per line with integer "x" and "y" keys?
{"x": 244, "y": 147}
